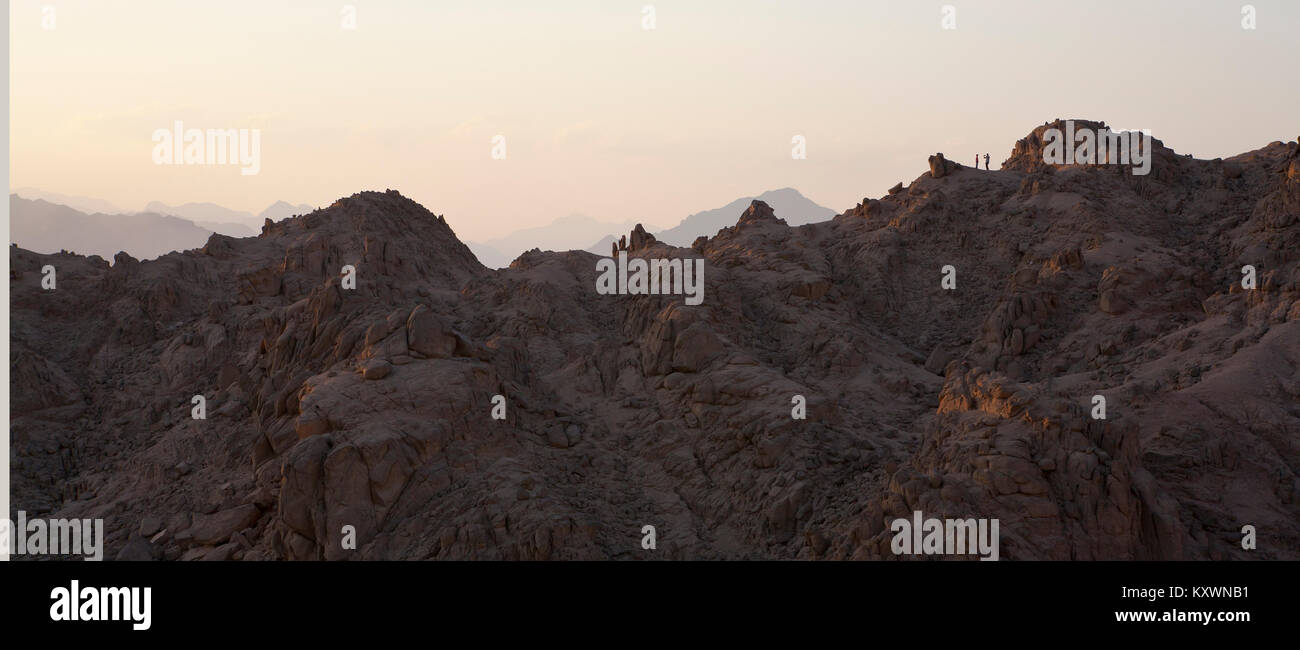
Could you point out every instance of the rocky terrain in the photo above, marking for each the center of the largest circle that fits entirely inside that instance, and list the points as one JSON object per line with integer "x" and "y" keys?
{"x": 328, "y": 407}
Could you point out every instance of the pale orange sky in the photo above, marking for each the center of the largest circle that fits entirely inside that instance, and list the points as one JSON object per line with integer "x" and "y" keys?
{"x": 605, "y": 118}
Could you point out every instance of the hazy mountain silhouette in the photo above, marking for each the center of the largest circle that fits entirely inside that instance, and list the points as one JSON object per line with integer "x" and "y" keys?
{"x": 209, "y": 216}
{"x": 563, "y": 234}
{"x": 47, "y": 227}
{"x": 236, "y": 223}
{"x": 489, "y": 256}
{"x": 786, "y": 202}
{"x": 228, "y": 228}
{"x": 202, "y": 211}
{"x": 282, "y": 210}
{"x": 79, "y": 203}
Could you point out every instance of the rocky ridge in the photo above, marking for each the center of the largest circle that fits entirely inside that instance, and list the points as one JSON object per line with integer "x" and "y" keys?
{"x": 370, "y": 407}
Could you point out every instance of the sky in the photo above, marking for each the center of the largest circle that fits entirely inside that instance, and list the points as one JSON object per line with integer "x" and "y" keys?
{"x": 604, "y": 117}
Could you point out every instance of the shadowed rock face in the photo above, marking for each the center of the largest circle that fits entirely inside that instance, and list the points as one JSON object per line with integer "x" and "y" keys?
{"x": 371, "y": 407}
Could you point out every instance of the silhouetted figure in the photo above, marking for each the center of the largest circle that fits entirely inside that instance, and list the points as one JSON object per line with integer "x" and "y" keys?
{"x": 986, "y": 161}
{"x": 977, "y": 161}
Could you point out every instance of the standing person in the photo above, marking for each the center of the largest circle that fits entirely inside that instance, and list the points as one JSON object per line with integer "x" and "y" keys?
{"x": 977, "y": 161}
{"x": 986, "y": 160}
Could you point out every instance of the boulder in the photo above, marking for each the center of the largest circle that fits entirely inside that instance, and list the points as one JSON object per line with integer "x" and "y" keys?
{"x": 217, "y": 527}
{"x": 938, "y": 166}
{"x": 376, "y": 369}
{"x": 136, "y": 550}
{"x": 428, "y": 335}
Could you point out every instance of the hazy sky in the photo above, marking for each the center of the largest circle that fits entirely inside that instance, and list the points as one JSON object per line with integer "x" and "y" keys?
{"x": 606, "y": 118}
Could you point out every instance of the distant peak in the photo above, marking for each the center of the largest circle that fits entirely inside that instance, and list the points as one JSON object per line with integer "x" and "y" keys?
{"x": 383, "y": 211}
{"x": 375, "y": 199}
{"x": 282, "y": 209}
{"x": 780, "y": 191}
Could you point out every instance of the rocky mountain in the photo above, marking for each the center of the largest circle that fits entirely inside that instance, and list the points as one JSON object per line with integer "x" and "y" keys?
{"x": 48, "y": 227}
{"x": 563, "y": 233}
{"x": 788, "y": 203}
{"x": 371, "y": 407}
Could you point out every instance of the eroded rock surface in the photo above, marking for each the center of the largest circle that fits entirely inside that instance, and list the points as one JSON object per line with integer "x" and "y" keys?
{"x": 370, "y": 408}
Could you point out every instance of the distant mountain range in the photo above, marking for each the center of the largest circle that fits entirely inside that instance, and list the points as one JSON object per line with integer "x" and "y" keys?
{"x": 787, "y": 203}
{"x": 235, "y": 223}
{"x": 43, "y": 223}
{"x": 565, "y": 233}
{"x": 54, "y": 221}
{"x": 561, "y": 234}
{"x": 49, "y": 227}
{"x": 79, "y": 203}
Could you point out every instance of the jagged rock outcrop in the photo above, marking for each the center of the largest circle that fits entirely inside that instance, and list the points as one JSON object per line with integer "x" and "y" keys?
{"x": 641, "y": 239}
{"x": 940, "y": 167}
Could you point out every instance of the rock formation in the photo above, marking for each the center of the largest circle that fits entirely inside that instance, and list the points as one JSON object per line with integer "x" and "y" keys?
{"x": 371, "y": 407}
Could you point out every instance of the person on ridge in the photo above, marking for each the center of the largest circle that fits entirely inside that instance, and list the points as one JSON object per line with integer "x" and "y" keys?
{"x": 986, "y": 160}
{"x": 977, "y": 161}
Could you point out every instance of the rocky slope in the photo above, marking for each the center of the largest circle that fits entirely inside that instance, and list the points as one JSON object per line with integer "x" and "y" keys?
{"x": 371, "y": 407}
